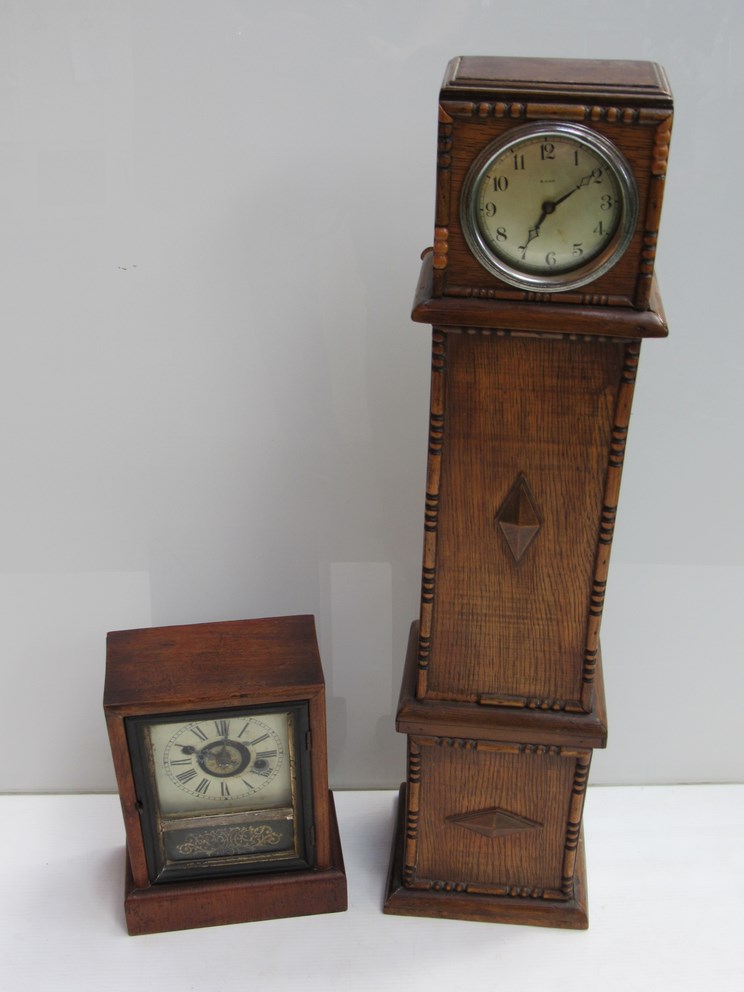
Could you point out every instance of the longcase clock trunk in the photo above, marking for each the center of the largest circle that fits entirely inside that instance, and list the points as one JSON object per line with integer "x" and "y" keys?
{"x": 502, "y": 697}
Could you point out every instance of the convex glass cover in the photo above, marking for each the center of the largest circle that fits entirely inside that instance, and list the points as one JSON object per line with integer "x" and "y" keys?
{"x": 549, "y": 207}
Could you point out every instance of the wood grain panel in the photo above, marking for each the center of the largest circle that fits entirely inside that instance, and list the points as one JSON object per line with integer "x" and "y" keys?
{"x": 543, "y": 409}
{"x": 526, "y": 796}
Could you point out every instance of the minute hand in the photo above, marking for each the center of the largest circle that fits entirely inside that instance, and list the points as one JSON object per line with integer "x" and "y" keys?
{"x": 580, "y": 185}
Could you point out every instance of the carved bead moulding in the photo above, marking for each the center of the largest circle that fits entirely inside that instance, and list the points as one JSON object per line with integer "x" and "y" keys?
{"x": 483, "y": 98}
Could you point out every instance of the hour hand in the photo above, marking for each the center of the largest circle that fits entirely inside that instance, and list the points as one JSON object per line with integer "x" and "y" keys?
{"x": 534, "y": 232}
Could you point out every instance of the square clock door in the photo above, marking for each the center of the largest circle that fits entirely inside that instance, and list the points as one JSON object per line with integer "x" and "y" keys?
{"x": 223, "y": 792}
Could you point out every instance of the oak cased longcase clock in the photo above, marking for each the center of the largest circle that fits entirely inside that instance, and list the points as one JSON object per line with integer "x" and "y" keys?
{"x": 539, "y": 288}
{"x": 219, "y": 743}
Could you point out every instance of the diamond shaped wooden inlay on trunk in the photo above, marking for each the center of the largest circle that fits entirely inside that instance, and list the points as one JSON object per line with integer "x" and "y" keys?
{"x": 518, "y": 519}
{"x": 494, "y": 822}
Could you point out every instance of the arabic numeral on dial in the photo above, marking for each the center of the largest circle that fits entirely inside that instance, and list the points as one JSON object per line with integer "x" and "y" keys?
{"x": 547, "y": 151}
{"x": 519, "y": 163}
{"x": 500, "y": 184}
{"x": 607, "y": 202}
{"x": 489, "y": 209}
{"x": 578, "y": 249}
{"x": 599, "y": 229}
{"x": 550, "y": 258}
{"x": 501, "y": 234}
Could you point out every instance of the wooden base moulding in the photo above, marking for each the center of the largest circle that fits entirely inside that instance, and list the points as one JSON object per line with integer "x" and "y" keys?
{"x": 244, "y": 899}
{"x": 517, "y": 724}
{"x": 489, "y": 822}
{"x": 449, "y": 903}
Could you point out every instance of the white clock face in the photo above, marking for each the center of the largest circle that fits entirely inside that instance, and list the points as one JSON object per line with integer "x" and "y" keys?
{"x": 550, "y": 207}
{"x": 231, "y": 762}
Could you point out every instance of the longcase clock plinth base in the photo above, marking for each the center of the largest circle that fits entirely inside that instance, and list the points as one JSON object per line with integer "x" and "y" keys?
{"x": 238, "y": 899}
{"x": 569, "y": 914}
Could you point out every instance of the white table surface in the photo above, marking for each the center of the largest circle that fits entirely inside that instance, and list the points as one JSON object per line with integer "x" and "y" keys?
{"x": 666, "y": 904}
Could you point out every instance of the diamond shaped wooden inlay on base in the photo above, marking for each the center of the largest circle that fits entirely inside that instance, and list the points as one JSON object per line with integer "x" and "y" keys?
{"x": 518, "y": 519}
{"x": 494, "y": 822}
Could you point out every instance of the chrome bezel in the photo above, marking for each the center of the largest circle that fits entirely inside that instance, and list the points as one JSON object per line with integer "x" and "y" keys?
{"x": 584, "y": 272}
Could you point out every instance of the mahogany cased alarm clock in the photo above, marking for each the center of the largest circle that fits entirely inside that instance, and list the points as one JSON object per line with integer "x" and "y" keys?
{"x": 219, "y": 743}
{"x": 540, "y": 289}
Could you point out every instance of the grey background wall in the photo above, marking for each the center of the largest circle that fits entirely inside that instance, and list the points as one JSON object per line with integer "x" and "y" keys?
{"x": 192, "y": 433}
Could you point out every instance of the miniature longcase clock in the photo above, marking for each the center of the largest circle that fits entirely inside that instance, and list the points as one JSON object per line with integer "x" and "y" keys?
{"x": 540, "y": 288}
{"x": 218, "y": 738}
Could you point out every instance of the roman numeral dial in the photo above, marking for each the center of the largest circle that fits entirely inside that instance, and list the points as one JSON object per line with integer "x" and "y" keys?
{"x": 240, "y": 761}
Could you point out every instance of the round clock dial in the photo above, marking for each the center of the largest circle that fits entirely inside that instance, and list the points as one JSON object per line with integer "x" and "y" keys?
{"x": 549, "y": 207}
{"x": 235, "y": 762}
